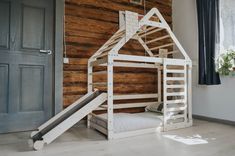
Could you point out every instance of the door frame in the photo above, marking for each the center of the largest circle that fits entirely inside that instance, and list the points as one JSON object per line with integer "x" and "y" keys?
{"x": 58, "y": 56}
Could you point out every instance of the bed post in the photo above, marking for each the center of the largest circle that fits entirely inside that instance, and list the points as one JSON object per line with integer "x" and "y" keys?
{"x": 190, "y": 93}
{"x": 89, "y": 86}
{"x": 186, "y": 94}
{"x": 159, "y": 74}
{"x": 164, "y": 95}
{"x": 110, "y": 96}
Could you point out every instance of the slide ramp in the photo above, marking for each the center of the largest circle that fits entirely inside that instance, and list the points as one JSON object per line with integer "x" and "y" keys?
{"x": 64, "y": 120}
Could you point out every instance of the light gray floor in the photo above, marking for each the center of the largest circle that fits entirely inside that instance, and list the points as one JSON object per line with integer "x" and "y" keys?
{"x": 80, "y": 141}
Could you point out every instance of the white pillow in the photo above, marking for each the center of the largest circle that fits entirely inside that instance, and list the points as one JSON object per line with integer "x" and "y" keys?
{"x": 155, "y": 108}
{"x": 158, "y": 108}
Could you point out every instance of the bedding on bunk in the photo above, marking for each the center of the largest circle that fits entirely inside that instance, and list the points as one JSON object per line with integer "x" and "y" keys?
{"x": 156, "y": 107}
{"x": 129, "y": 122}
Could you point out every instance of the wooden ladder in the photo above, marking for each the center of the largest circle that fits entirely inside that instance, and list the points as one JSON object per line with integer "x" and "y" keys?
{"x": 175, "y": 94}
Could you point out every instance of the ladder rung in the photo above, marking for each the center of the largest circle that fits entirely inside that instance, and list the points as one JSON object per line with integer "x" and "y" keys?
{"x": 175, "y": 79}
{"x": 173, "y": 117}
{"x": 175, "y": 71}
{"x": 175, "y": 86}
{"x": 182, "y": 108}
{"x": 175, "y": 94}
{"x": 175, "y": 101}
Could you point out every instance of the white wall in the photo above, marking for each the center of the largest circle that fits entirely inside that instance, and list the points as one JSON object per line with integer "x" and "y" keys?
{"x": 210, "y": 101}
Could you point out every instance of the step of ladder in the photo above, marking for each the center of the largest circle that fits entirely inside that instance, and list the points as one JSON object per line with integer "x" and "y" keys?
{"x": 175, "y": 101}
{"x": 175, "y": 86}
{"x": 174, "y": 117}
{"x": 176, "y": 71}
{"x": 176, "y": 109}
{"x": 175, "y": 94}
{"x": 175, "y": 79}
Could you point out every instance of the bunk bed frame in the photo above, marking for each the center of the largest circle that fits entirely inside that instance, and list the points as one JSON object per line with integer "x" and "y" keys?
{"x": 176, "y": 95}
{"x": 176, "y": 85}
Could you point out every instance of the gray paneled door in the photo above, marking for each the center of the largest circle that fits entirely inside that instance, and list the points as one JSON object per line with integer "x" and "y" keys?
{"x": 26, "y": 38}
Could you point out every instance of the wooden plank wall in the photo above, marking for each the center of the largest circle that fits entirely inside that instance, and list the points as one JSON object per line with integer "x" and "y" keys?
{"x": 88, "y": 24}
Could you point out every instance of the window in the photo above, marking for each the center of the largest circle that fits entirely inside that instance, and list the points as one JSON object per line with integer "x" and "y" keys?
{"x": 227, "y": 25}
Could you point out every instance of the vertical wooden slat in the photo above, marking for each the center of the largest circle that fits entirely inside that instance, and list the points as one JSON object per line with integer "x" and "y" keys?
{"x": 110, "y": 96}
{"x": 159, "y": 73}
{"x": 189, "y": 90}
{"x": 164, "y": 93}
{"x": 89, "y": 87}
{"x": 185, "y": 93}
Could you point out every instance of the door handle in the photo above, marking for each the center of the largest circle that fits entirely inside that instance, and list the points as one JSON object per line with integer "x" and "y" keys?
{"x": 49, "y": 52}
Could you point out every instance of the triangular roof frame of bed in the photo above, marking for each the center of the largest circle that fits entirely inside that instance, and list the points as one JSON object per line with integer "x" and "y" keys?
{"x": 135, "y": 26}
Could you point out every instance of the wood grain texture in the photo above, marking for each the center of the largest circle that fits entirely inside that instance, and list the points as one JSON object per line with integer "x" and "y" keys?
{"x": 88, "y": 25}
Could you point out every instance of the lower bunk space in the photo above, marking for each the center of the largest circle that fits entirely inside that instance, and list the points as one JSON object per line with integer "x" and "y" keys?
{"x": 128, "y": 124}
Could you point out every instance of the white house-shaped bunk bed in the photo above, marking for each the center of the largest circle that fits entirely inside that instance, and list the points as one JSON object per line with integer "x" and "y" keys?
{"x": 175, "y": 73}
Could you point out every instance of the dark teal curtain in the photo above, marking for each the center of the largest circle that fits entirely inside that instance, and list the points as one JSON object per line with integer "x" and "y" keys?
{"x": 208, "y": 31}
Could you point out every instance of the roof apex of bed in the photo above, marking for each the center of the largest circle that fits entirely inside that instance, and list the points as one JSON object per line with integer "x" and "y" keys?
{"x": 135, "y": 26}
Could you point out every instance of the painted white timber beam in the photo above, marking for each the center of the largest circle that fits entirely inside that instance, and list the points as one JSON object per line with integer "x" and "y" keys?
{"x": 144, "y": 46}
{"x": 137, "y": 58}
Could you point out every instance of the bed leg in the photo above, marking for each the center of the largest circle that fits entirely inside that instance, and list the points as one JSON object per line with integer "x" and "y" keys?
{"x": 190, "y": 94}
{"x": 89, "y": 86}
{"x": 110, "y": 96}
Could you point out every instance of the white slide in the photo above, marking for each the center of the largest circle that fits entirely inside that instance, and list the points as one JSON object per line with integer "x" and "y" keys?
{"x": 64, "y": 120}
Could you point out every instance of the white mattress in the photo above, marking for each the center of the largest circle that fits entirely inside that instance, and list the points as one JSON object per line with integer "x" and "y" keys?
{"x": 128, "y": 122}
